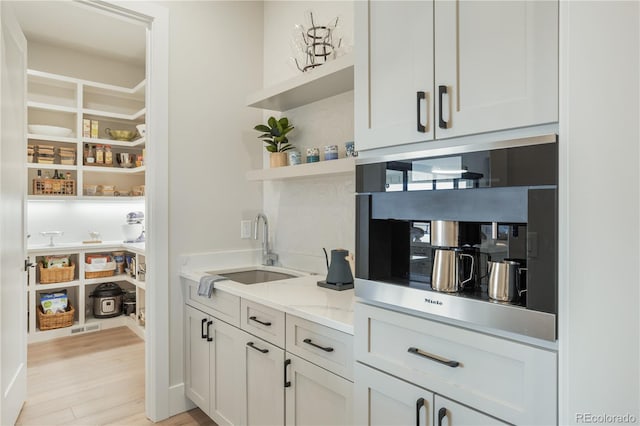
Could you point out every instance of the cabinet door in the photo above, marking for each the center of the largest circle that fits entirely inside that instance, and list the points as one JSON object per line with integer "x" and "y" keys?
{"x": 499, "y": 63}
{"x": 449, "y": 413}
{"x": 265, "y": 382}
{"x": 228, "y": 390}
{"x": 380, "y": 399}
{"x": 316, "y": 396}
{"x": 393, "y": 73}
{"x": 196, "y": 381}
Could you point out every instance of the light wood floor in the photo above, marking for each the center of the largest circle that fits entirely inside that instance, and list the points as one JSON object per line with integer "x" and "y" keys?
{"x": 92, "y": 379}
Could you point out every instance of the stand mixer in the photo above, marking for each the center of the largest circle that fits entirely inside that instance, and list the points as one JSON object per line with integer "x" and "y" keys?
{"x": 133, "y": 229}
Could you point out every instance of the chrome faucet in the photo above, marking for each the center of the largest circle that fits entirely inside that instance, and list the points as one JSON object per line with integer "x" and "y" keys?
{"x": 268, "y": 258}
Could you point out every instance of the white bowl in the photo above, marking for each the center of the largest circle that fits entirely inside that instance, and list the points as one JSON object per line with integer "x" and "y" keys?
{"x": 41, "y": 129}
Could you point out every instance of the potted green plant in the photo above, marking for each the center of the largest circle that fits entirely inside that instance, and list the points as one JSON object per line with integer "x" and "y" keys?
{"x": 274, "y": 135}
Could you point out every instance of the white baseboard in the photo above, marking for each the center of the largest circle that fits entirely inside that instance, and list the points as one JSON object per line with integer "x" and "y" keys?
{"x": 178, "y": 402}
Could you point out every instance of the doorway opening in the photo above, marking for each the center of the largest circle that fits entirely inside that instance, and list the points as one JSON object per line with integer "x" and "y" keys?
{"x": 91, "y": 142}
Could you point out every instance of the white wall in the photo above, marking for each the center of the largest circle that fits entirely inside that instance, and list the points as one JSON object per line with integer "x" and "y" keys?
{"x": 77, "y": 218}
{"x": 599, "y": 324}
{"x": 83, "y": 65}
{"x": 215, "y": 61}
{"x": 310, "y": 213}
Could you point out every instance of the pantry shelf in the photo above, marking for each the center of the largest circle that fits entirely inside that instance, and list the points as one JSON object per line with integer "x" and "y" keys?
{"x": 34, "y": 136}
{"x": 51, "y": 166}
{"x": 118, "y": 170}
{"x": 51, "y": 107}
{"x": 55, "y": 286}
{"x": 129, "y": 144}
{"x": 63, "y": 101}
{"x": 136, "y": 93}
{"x": 120, "y": 116}
{"x": 111, "y": 199}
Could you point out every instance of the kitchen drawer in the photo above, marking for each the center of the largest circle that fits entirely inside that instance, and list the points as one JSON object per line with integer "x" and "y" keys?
{"x": 262, "y": 321}
{"x": 222, "y": 305}
{"x": 323, "y": 346}
{"x": 508, "y": 380}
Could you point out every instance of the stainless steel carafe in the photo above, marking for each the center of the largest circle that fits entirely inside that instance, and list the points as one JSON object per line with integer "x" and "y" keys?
{"x": 505, "y": 281}
{"x": 444, "y": 233}
{"x": 447, "y": 270}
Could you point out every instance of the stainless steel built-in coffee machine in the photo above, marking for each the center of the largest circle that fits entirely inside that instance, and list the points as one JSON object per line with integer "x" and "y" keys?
{"x": 471, "y": 234}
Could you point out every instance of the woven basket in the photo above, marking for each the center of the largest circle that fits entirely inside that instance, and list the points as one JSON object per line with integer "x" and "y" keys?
{"x": 56, "y": 275}
{"x": 98, "y": 274}
{"x": 99, "y": 271}
{"x": 51, "y": 321}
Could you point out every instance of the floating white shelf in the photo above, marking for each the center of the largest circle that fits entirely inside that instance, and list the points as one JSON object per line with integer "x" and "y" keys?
{"x": 329, "y": 79}
{"x": 343, "y": 165}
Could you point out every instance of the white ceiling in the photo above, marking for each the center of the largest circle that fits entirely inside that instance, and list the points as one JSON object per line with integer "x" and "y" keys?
{"x": 79, "y": 27}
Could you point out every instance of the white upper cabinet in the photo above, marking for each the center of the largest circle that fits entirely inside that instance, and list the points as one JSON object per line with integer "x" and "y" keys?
{"x": 498, "y": 61}
{"x": 493, "y": 64}
{"x": 393, "y": 73}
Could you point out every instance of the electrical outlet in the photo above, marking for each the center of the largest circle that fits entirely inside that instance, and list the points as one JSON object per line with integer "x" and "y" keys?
{"x": 245, "y": 229}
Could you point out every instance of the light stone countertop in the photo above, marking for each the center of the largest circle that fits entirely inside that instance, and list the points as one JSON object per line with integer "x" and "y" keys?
{"x": 68, "y": 247}
{"x": 299, "y": 296}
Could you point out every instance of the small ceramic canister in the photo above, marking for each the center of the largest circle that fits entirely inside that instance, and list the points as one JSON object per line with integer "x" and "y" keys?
{"x": 294, "y": 158}
{"x": 331, "y": 152}
{"x": 350, "y": 148}
{"x": 313, "y": 155}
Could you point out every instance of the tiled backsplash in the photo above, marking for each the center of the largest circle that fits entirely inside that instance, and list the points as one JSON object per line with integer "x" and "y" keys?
{"x": 309, "y": 214}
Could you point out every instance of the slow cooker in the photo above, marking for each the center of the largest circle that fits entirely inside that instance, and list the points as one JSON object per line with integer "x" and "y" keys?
{"x": 107, "y": 300}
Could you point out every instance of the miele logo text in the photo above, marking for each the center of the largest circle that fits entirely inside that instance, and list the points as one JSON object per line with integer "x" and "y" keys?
{"x": 433, "y": 302}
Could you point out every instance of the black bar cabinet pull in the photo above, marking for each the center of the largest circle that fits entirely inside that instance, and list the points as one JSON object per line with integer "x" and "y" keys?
{"x": 442, "y": 90}
{"x": 419, "y": 97}
{"x": 419, "y": 404}
{"x": 286, "y": 382}
{"x": 209, "y": 338}
{"x": 251, "y": 345}
{"x": 432, "y": 357}
{"x": 202, "y": 333}
{"x": 442, "y": 413}
{"x": 326, "y": 349}
{"x": 267, "y": 323}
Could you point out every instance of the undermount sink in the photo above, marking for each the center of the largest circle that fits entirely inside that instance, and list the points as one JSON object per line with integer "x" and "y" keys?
{"x": 254, "y": 276}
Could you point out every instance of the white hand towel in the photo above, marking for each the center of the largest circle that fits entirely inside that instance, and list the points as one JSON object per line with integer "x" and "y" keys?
{"x": 205, "y": 287}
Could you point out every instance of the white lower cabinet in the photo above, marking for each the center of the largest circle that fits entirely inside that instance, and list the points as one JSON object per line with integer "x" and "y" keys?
{"x": 214, "y": 364}
{"x": 237, "y": 378}
{"x": 264, "y": 376}
{"x": 383, "y": 400}
{"x": 449, "y": 413}
{"x": 315, "y": 396}
{"x": 511, "y": 381}
{"x": 196, "y": 381}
